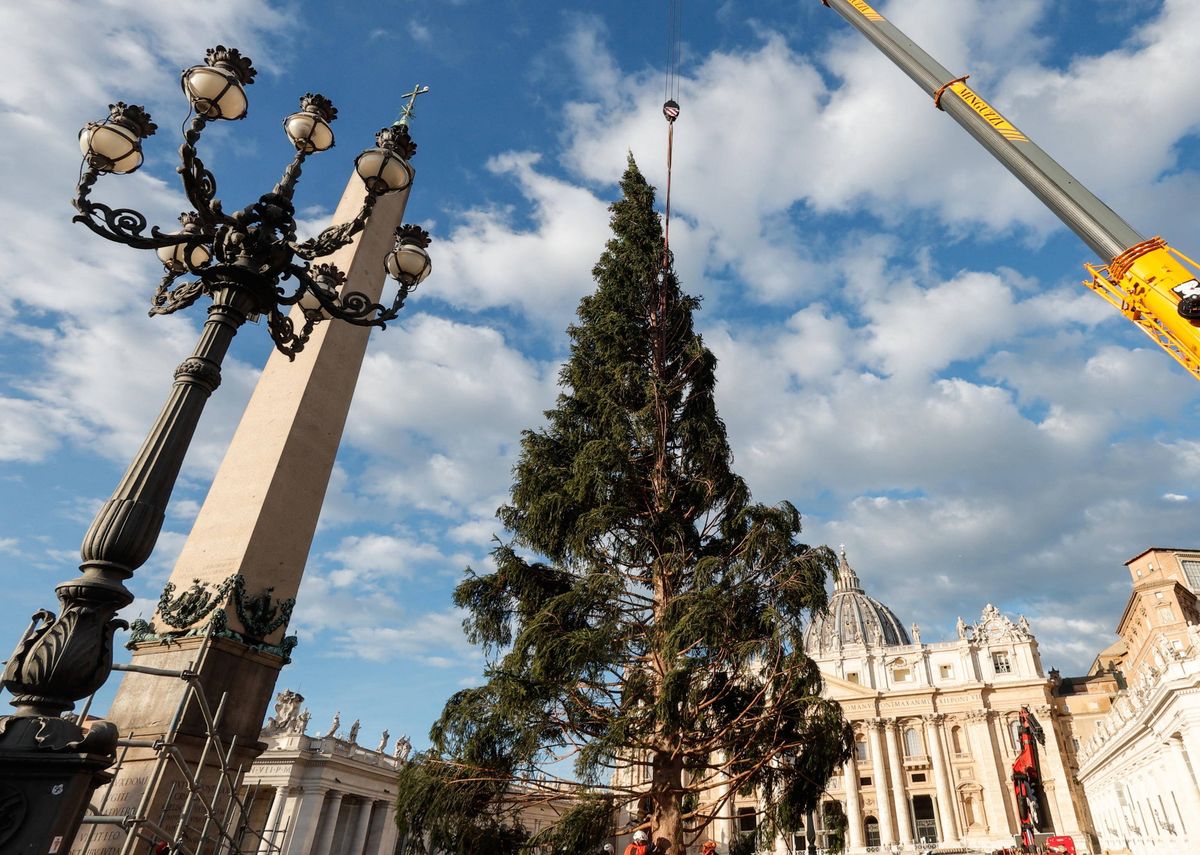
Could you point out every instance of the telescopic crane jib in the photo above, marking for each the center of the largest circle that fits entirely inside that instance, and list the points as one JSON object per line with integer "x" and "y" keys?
{"x": 1147, "y": 280}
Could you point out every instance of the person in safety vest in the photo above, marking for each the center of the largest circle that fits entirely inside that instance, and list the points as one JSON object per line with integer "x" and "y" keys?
{"x": 640, "y": 844}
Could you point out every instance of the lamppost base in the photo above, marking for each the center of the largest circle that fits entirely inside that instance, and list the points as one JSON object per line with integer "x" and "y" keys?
{"x": 43, "y": 796}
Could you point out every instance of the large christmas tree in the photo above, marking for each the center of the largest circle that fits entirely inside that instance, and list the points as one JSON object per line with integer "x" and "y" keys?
{"x": 643, "y": 625}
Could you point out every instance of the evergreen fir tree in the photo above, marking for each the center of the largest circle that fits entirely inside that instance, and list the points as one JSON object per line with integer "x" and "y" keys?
{"x": 660, "y": 621}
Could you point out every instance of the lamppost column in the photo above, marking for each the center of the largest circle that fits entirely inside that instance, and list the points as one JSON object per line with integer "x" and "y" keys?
{"x": 879, "y": 769}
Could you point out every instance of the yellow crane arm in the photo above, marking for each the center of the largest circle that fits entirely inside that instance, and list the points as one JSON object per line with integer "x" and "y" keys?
{"x": 1150, "y": 283}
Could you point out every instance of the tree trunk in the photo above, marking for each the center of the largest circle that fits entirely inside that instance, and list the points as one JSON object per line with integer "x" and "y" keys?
{"x": 666, "y": 793}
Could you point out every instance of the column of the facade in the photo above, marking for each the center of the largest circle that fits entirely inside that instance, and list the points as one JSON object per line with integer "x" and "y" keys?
{"x": 1005, "y": 754}
{"x": 887, "y": 833}
{"x": 333, "y": 806}
{"x": 1187, "y": 787}
{"x": 1189, "y": 742}
{"x": 983, "y": 758}
{"x": 270, "y": 829}
{"x": 362, "y": 824}
{"x": 387, "y": 841}
{"x": 1066, "y": 821}
{"x": 304, "y": 813}
{"x": 854, "y": 817}
{"x": 899, "y": 790}
{"x": 941, "y": 778}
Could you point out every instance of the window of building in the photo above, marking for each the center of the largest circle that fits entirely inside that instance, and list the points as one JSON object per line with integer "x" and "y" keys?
{"x": 747, "y": 820}
{"x": 861, "y": 753}
{"x": 1191, "y": 569}
{"x": 912, "y": 743}
{"x": 1014, "y": 733}
{"x": 1001, "y": 662}
{"x": 956, "y": 740}
{"x": 871, "y": 826}
{"x": 1075, "y": 743}
{"x": 1158, "y": 595}
{"x": 1165, "y": 615}
{"x": 865, "y": 781}
{"x": 946, "y": 672}
{"x": 852, "y": 677}
{"x": 918, "y": 777}
{"x": 902, "y": 675}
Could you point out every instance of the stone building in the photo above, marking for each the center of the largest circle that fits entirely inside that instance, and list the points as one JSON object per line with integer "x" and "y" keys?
{"x": 1139, "y": 759}
{"x": 936, "y": 725}
{"x": 322, "y": 795}
{"x": 935, "y": 729}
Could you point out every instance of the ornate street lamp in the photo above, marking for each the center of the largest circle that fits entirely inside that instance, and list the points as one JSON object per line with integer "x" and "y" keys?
{"x": 240, "y": 261}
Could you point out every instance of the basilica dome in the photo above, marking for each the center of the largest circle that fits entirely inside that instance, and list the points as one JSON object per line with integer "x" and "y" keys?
{"x": 853, "y": 618}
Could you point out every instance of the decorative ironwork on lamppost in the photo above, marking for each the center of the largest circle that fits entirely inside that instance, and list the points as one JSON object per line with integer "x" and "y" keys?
{"x": 249, "y": 263}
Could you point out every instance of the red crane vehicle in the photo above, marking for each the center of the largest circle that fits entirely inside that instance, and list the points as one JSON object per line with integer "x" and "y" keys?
{"x": 1148, "y": 281}
{"x": 1027, "y": 779}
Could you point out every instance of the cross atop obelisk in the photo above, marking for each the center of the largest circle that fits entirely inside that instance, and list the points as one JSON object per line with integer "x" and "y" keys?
{"x": 406, "y": 111}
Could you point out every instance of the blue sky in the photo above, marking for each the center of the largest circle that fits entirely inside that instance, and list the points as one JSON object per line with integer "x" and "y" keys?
{"x": 905, "y": 351}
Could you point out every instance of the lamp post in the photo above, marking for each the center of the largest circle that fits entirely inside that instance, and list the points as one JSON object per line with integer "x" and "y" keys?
{"x": 241, "y": 262}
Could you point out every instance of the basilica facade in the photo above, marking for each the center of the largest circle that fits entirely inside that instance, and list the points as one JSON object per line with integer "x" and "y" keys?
{"x": 936, "y": 726}
{"x": 935, "y": 733}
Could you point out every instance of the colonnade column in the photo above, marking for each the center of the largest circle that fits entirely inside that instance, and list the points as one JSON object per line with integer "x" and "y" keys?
{"x": 1063, "y": 810}
{"x": 887, "y": 833}
{"x": 333, "y": 806}
{"x": 899, "y": 791}
{"x": 1188, "y": 787}
{"x": 1189, "y": 735}
{"x": 305, "y": 814}
{"x": 270, "y": 833}
{"x": 362, "y": 824}
{"x": 387, "y": 841}
{"x": 983, "y": 755}
{"x": 941, "y": 778}
{"x": 854, "y": 818}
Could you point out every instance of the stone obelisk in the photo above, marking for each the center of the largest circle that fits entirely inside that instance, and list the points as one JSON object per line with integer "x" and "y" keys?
{"x": 225, "y": 610}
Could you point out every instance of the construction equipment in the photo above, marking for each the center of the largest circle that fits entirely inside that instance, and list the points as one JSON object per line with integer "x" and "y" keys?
{"x": 1151, "y": 283}
{"x": 1027, "y": 779}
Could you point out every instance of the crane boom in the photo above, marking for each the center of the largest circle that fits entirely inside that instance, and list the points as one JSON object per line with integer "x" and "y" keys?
{"x": 1147, "y": 280}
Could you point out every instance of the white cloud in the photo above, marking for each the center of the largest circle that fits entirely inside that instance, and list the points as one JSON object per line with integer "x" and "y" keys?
{"x": 444, "y": 403}
{"x": 361, "y": 557}
{"x": 432, "y": 638}
{"x": 488, "y": 261}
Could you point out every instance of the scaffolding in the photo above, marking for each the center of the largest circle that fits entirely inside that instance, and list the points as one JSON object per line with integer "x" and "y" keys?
{"x": 215, "y": 814}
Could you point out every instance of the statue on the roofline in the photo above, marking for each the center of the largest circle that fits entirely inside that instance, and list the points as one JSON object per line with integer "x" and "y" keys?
{"x": 403, "y": 749}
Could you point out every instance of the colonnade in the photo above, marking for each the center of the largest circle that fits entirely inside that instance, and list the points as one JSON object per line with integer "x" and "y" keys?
{"x": 889, "y": 777}
{"x": 323, "y": 821}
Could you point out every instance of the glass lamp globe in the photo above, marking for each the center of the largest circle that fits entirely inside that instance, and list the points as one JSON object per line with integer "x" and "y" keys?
{"x": 111, "y": 147}
{"x": 409, "y": 264}
{"x": 383, "y": 171}
{"x": 214, "y": 92}
{"x": 179, "y": 257}
{"x": 308, "y": 132}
